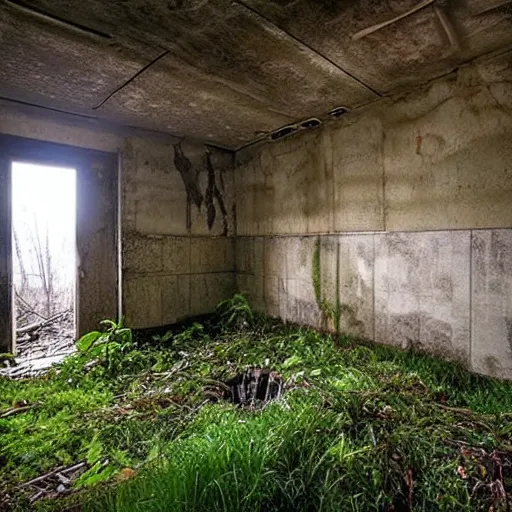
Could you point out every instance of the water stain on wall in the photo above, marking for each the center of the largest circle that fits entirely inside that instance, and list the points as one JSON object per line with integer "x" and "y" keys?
{"x": 212, "y": 195}
{"x": 190, "y": 179}
{"x": 508, "y": 324}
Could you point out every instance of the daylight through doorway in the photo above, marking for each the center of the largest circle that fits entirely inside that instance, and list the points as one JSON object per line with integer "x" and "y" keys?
{"x": 44, "y": 254}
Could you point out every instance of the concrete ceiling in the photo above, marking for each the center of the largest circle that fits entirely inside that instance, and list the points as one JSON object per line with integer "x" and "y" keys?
{"x": 228, "y": 71}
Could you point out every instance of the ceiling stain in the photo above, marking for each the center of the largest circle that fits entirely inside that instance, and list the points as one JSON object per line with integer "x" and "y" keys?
{"x": 224, "y": 71}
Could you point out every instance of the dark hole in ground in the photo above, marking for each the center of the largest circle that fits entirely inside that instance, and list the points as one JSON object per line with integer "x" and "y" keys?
{"x": 254, "y": 385}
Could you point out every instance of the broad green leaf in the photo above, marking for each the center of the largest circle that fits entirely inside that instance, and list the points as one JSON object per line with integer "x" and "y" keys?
{"x": 84, "y": 477}
{"x": 88, "y": 340}
{"x": 125, "y": 334}
{"x": 100, "y": 477}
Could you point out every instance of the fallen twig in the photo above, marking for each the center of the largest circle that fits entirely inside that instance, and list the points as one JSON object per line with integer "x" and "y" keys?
{"x": 28, "y": 307}
{"x": 469, "y": 412}
{"x": 16, "y": 410}
{"x": 39, "y": 325}
{"x": 42, "y": 477}
{"x": 75, "y": 467}
{"x": 36, "y": 496}
{"x": 215, "y": 383}
{"x": 459, "y": 410}
{"x": 58, "y": 472}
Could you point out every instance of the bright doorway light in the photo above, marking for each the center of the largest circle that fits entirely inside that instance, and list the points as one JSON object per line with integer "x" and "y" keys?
{"x": 44, "y": 253}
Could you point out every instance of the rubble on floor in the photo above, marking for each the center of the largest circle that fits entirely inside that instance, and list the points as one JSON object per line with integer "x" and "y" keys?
{"x": 42, "y": 344}
{"x": 55, "y": 483}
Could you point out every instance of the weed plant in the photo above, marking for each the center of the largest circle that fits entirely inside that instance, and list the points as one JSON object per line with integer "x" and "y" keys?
{"x": 361, "y": 427}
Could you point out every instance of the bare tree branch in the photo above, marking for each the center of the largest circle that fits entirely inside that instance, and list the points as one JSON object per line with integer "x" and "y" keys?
{"x": 38, "y": 325}
{"x": 28, "y": 307}
{"x": 21, "y": 263}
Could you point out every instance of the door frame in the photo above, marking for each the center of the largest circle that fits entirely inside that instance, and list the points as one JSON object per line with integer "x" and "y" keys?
{"x": 95, "y": 171}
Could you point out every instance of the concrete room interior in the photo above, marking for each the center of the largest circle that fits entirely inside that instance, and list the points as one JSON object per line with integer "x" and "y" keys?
{"x": 226, "y": 146}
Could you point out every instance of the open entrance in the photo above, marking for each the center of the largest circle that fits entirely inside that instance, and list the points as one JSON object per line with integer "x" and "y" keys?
{"x": 59, "y": 248}
{"x": 43, "y": 260}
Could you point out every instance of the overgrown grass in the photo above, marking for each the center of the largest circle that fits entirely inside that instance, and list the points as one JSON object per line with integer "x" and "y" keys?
{"x": 361, "y": 427}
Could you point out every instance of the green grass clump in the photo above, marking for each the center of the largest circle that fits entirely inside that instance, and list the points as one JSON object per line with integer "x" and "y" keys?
{"x": 361, "y": 427}
{"x": 40, "y": 439}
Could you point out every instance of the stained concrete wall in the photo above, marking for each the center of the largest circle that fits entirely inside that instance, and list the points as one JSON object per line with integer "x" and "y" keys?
{"x": 404, "y": 209}
{"x": 177, "y": 259}
{"x": 174, "y": 264}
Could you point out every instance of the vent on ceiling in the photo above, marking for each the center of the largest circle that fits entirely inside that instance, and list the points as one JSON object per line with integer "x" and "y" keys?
{"x": 283, "y": 132}
{"x": 338, "y": 111}
{"x": 310, "y": 123}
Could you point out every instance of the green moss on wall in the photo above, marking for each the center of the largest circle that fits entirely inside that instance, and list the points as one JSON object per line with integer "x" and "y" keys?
{"x": 316, "y": 273}
{"x": 329, "y": 311}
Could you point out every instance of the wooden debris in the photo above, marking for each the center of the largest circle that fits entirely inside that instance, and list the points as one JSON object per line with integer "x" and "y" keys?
{"x": 42, "y": 477}
{"x": 38, "y": 325}
{"x": 16, "y": 410}
{"x": 36, "y": 496}
{"x": 58, "y": 481}
{"x": 41, "y": 345}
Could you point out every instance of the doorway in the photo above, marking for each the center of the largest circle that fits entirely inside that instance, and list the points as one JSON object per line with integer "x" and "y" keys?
{"x": 43, "y": 202}
{"x": 67, "y": 198}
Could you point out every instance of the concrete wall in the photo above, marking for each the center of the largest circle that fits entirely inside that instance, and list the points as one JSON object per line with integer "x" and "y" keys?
{"x": 173, "y": 264}
{"x": 400, "y": 212}
{"x": 406, "y": 207}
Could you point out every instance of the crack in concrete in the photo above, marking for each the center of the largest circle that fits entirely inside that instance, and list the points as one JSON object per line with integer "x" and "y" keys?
{"x": 132, "y": 78}
{"x": 284, "y": 33}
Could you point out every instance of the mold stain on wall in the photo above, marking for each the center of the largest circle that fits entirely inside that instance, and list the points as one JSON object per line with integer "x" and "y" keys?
{"x": 213, "y": 194}
{"x": 190, "y": 179}
{"x": 331, "y": 312}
